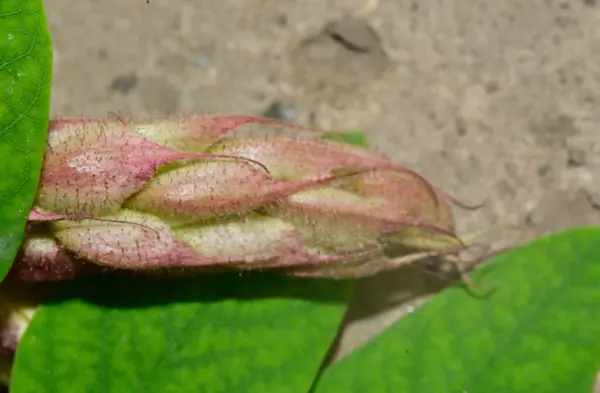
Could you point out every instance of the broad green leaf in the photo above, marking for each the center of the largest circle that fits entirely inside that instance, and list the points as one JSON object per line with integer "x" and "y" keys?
{"x": 25, "y": 74}
{"x": 215, "y": 333}
{"x": 353, "y": 137}
{"x": 537, "y": 331}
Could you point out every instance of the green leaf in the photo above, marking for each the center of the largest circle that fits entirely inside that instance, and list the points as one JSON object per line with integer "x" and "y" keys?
{"x": 25, "y": 75}
{"x": 215, "y": 333}
{"x": 537, "y": 331}
{"x": 353, "y": 137}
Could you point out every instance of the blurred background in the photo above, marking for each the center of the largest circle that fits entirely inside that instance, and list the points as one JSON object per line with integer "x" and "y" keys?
{"x": 493, "y": 100}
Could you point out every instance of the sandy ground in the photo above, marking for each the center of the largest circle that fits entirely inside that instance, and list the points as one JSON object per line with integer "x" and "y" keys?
{"x": 493, "y": 99}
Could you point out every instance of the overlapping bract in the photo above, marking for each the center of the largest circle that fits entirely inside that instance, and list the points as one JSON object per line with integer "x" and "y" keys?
{"x": 184, "y": 194}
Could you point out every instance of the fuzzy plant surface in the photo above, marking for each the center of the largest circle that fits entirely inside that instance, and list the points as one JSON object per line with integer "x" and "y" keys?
{"x": 183, "y": 195}
{"x": 25, "y": 76}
